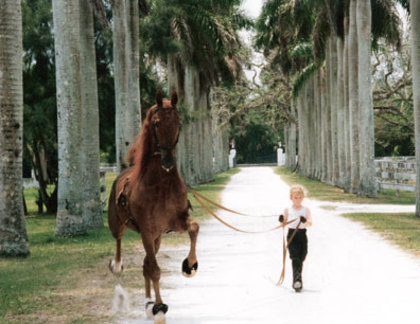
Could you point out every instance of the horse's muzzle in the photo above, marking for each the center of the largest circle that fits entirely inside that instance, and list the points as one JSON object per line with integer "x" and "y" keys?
{"x": 168, "y": 160}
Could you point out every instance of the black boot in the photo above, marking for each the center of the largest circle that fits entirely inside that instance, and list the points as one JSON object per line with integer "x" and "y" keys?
{"x": 297, "y": 275}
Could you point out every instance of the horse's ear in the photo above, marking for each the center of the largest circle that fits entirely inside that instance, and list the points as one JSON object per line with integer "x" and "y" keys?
{"x": 174, "y": 98}
{"x": 159, "y": 98}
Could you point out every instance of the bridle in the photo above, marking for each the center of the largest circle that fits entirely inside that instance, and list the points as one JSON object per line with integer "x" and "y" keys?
{"x": 164, "y": 147}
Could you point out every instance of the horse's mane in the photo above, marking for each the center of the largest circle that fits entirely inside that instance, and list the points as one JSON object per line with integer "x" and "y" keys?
{"x": 142, "y": 151}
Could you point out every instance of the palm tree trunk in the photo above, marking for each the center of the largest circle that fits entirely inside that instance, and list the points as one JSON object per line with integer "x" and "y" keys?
{"x": 126, "y": 67}
{"x": 368, "y": 187}
{"x": 324, "y": 130}
{"x": 340, "y": 114}
{"x": 92, "y": 208}
{"x": 291, "y": 138}
{"x": 301, "y": 132}
{"x": 415, "y": 62}
{"x": 353, "y": 99}
{"x": 347, "y": 147}
{"x": 329, "y": 176}
{"x": 13, "y": 237}
{"x": 69, "y": 111}
{"x": 334, "y": 105}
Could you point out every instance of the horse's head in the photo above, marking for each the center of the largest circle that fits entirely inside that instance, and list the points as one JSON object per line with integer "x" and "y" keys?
{"x": 167, "y": 125}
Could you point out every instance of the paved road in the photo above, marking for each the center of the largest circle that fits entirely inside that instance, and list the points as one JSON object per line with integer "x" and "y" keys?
{"x": 350, "y": 275}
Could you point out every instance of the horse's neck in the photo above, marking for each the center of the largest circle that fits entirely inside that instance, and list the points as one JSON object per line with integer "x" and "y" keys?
{"x": 155, "y": 174}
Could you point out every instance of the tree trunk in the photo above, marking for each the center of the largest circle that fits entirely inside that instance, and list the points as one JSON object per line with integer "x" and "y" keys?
{"x": 301, "y": 153}
{"x": 329, "y": 149}
{"x": 333, "y": 103}
{"x": 353, "y": 99}
{"x": 368, "y": 187}
{"x": 415, "y": 62}
{"x": 92, "y": 207}
{"x": 291, "y": 138}
{"x": 69, "y": 111}
{"x": 347, "y": 147}
{"x": 13, "y": 237}
{"x": 126, "y": 68}
{"x": 340, "y": 114}
{"x": 324, "y": 130}
{"x": 220, "y": 137}
{"x": 195, "y": 145}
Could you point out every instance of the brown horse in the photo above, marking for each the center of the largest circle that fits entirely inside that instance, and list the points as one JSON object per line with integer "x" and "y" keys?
{"x": 150, "y": 197}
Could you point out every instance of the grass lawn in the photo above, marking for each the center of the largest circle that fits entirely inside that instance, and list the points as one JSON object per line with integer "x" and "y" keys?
{"x": 321, "y": 191}
{"x": 401, "y": 228}
{"x": 58, "y": 282}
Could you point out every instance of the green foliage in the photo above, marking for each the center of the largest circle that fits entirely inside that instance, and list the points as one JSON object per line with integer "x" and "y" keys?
{"x": 204, "y": 34}
{"x": 40, "y": 122}
{"x": 256, "y": 141}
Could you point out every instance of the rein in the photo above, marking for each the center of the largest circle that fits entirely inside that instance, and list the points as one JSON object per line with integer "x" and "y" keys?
{"x": 198, "y": 197}
{"x": 195, "y": 193}
{"x": 285, "y": 246}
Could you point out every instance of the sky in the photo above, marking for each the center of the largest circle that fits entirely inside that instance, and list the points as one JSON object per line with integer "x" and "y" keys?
{"x": 252, "y": 7}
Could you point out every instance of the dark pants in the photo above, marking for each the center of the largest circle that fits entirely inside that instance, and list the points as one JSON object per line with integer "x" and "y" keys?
{"x": 298, "y": 249}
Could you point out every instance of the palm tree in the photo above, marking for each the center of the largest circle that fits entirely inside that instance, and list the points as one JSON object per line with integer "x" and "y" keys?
{"x": 13, "y": 237}
{"x": 127, "y": 74}
{"x": 368, "y": 187}
{"x": 415, "y": 62}
{"x": 66, "y": 16}
{"x": 78, "y": 201}
{"x": 92, "y": 207}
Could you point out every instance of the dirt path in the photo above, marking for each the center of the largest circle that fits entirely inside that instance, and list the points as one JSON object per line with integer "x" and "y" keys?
{"x": 351, "y": 275}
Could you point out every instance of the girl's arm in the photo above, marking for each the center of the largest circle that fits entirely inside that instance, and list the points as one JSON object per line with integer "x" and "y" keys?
{"x": 308, "y": 217}
{"x": 286, "y": 215}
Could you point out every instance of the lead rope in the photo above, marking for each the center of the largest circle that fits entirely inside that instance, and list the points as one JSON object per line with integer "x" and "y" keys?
{"x": 232, "y": 227}
{"x": 283, "y": 271}
{"x": 195, "y": 194}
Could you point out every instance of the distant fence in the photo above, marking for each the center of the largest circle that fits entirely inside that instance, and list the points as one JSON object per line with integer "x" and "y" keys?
{"x": 397, "y": 173}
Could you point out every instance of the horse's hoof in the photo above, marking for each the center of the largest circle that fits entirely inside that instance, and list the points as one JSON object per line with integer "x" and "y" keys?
{"x": 187, "y": 271}
{"x": 149, "y": 308}
{"x": 160, "y": 308}
{"x": 115, "y": 267}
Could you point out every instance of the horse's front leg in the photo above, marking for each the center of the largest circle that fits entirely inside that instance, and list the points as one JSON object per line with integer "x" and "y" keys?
{"x": 190, "y": 264}
{"x": 151, "y": 271}
{"x": 149, "y": 303}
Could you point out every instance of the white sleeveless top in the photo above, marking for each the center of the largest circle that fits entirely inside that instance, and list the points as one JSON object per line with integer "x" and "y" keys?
{"x": 294, "y": 214}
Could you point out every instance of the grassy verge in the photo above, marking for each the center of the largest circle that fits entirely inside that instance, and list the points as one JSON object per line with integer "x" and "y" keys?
{"x": 402, "y": 229}
{"x": 66, "y": 280}
{"x": 321, "y": 191}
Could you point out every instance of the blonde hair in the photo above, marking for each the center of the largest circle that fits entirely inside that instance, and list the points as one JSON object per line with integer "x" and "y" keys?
{"x": 297, "y": 190}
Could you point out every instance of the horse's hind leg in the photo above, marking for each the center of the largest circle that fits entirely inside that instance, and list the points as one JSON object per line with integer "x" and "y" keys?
{"x": 117, "y": 230}
{"x": 190, "y": 264}
{"x": 116, "y": 265}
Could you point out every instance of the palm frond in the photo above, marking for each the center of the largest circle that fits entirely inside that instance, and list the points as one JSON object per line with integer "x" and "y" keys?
{"x": 386, "y": 23}
{"x": 320, "y": 34}
{"x": 302, "y": 50}
{"x": 301, "y": 79}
